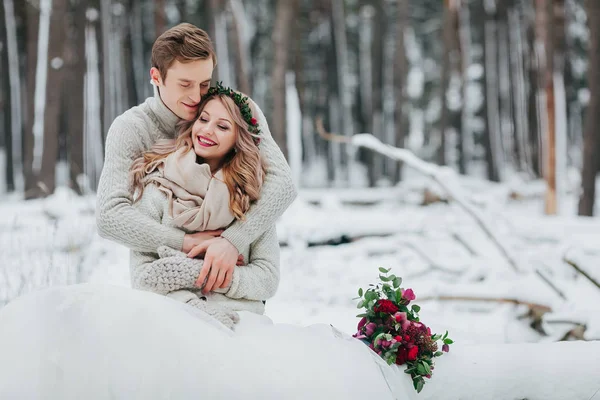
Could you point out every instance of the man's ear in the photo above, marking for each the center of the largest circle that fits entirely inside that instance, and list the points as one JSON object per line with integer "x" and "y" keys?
{"x": 155, "y": 76}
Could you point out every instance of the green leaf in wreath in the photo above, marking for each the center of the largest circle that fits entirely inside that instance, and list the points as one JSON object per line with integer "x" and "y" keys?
{"x": 448, "y": 341}
{"x": 360, "y": 292}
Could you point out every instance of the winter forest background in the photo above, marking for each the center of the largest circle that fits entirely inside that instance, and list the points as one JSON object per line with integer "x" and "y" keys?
{"x": 487, "y": 87}
{"x": 491, "y": 223}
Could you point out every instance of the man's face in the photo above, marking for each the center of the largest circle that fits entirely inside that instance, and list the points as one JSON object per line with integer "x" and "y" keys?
{"x": 184, "y": 86}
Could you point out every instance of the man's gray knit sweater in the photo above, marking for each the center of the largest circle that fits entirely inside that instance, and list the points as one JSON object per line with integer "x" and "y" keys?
{"x": 133, "y": 133}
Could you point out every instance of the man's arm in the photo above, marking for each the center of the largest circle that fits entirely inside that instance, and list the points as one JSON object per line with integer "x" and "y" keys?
{"x": 116, "y": 218}
{"x": 277, "y": 193}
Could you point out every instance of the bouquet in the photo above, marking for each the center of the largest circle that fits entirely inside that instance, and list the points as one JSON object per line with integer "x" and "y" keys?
{"x": 393, "y": 330}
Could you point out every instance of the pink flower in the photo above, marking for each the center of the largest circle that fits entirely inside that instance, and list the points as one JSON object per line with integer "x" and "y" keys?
{"x": 400, "y": 316}
{"x": 445, "y": 348}
{"x": 408, "y": 294}
{"x": 370, "y": 328}
{"x": 405, "y": 324}
{"x": 361, "y": 323}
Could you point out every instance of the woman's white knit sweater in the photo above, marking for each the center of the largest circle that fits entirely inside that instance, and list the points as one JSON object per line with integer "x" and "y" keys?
{"x": 172, "y": 273}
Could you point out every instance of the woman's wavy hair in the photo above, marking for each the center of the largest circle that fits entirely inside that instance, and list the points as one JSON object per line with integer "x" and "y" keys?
{"x": 243, "y": 168}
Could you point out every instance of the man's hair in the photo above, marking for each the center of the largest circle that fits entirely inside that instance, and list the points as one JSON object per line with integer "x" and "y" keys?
{"x": 184, "y": 43}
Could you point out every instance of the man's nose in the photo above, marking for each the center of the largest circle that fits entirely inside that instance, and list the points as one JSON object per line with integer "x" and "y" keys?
{"x": 196, "y": 96}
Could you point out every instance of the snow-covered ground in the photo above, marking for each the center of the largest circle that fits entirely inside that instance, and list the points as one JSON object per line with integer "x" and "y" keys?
{"x": 438, "y": 249}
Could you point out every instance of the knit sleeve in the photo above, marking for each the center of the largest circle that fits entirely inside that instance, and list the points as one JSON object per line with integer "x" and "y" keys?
{"x": 260, "y": 278}
{"x": 115, "y": 217}
{"x": 277, "y": 193}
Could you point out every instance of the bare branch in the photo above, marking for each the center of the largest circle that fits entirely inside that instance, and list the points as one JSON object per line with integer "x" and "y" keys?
{"x": 579, "y": 269}
{"x": 441, "y": 175}
{"x": 540, "y": 307}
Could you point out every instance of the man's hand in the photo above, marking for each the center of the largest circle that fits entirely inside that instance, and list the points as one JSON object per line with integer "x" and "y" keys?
{"x": 220, "y": 258}
{"x": 191, "y": 240}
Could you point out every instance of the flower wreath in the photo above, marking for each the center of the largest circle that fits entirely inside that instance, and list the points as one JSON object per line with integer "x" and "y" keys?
{"x": 242, "y": 102}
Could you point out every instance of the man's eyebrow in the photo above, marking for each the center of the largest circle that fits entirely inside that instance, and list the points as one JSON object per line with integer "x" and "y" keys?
{"x": 207, "y": 81}
{"x": 184, "y": 80}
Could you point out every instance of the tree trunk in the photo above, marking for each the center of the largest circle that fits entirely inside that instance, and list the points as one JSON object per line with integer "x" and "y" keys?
{"x": 492, "y": 123}
{"x": 544, "y": 45}
{"x": 465, "y": 135}
{"x": 507, "y": 124}
{"x": 74, "y": 83}
{"x": 591, "y": 141}
{"x": 242, "y": 67}
{"x": 14, "y": 15}
{"x": 32, "y": 24}
{"x": 338, "y": 14}
{"x": 160, "y": 18}
{"x": 54, "y": 93}
{"x": 518, "y": 88}
{"x": 532, "y": 98}
{"x": 445, "y": 81}
{"x": 281, "y": 43}
{"x": 5, "y": 109}
{"x": 373, "y": 161}
{"x": 400, "y": 74}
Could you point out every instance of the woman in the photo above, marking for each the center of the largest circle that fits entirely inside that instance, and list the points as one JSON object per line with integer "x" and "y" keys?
{"x": 202, "y": 182}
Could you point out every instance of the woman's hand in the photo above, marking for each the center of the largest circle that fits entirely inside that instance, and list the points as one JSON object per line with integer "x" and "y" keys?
{"x": 191, "y": 240}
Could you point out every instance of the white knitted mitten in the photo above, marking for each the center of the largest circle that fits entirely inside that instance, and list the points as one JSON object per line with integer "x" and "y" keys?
{"x": 222, "y": 314}
{"x": 173, "y": 271}
{"x": 166, "y": 251}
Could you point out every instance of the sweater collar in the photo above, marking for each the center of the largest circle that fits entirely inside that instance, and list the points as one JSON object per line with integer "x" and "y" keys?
{"x": 163, "y": 117}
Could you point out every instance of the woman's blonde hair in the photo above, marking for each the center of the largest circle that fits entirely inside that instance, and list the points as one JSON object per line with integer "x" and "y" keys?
{"x": 243, "y": 168}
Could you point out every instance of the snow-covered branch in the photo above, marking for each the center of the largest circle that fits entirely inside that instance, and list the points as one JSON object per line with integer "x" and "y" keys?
{"x": 444, "y": 177}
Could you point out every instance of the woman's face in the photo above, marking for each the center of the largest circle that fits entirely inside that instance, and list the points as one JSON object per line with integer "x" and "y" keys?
{"x": 214, "y": 133}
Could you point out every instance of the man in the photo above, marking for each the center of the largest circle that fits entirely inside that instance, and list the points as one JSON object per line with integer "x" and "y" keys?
{"x": 183, "y": 60}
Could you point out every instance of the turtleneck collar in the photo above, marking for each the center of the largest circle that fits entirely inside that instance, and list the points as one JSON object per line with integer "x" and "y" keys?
{"x": 165, "y": 119}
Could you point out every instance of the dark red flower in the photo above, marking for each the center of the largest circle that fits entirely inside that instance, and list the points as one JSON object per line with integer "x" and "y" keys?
{"x": 385, "y": 306}
{"x": 412, "y": 353}
{"x": 253, "y": 121}
{"x": 401, "y": 355}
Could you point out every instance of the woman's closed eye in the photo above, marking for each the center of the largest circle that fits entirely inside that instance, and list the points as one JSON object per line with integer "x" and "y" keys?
{"x": 224, "y": 127}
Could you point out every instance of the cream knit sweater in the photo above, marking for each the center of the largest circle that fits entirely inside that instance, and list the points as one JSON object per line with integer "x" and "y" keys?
{"x": 134, "y": 132}
{"x": 172, "y": 273}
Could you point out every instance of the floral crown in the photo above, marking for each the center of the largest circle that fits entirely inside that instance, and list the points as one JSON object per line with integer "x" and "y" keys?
{"x": 242, "y": 102}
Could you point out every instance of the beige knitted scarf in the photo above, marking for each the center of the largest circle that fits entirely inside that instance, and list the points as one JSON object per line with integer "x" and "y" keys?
{"x": 198, "y": 200}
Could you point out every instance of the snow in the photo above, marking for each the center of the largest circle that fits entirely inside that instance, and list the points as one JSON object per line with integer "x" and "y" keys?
{"x": 49, "y": 335}
{"x": 439, "y": 251}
